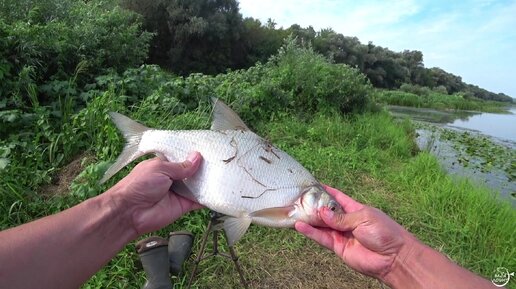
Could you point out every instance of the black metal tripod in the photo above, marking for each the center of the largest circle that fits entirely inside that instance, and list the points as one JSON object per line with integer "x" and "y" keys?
{"x": 215, "y": 230}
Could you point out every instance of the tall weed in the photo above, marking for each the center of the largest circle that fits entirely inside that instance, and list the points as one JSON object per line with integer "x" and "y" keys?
{"x": 433, "y": 99}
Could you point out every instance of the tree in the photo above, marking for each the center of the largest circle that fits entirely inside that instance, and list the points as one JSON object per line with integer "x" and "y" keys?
{"x": 261, "y": 41}
{"x": 193, "y": 36}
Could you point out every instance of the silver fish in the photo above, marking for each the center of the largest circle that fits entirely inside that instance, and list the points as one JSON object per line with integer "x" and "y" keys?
{"x": 242, "y": 176}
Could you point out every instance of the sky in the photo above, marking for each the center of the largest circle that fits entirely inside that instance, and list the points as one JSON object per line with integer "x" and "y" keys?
{"x": 474, "y": 39}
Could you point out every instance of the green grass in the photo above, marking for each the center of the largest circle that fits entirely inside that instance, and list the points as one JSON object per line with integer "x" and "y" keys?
{"x": 56, "y": 136}
{"x": 370, "y": 156}
{"x": 439, "y": 101}
{"x": 455, "y": 216}
{"x": 464, "y": 221}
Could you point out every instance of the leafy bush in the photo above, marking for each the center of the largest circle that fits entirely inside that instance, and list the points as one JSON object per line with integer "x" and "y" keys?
{"x": 397, "y": 97}
{"x": 416, "y": 89}
{"x": 44, "y": 42}
{"x": 440, "y": 89}
{"x": 296, "y": 80}
{"x": 311, "y": 80}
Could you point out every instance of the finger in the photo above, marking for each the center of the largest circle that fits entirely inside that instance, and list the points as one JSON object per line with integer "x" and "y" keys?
{"x": 342, "y": 222}
{"x": 179, "y": 171}
{"x": 346, "y": 202}
{"x": 317, "y": 234}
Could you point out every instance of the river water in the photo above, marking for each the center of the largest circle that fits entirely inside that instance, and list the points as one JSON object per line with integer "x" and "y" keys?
{"x": 500, "y": 126}
{"x": 489, "y": 138}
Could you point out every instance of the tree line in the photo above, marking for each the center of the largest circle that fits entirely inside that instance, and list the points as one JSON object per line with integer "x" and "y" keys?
{"x": 52, "y": 50}
{"x": 211, "y": 36}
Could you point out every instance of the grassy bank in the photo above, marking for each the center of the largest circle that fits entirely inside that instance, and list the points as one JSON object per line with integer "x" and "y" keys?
{"x": 372, "y": 158}
{"x": 56, "y": 141}
{"x": 433, "y": 99}
{"x": 454, "y": 216}
{"x": 318, "y": 112}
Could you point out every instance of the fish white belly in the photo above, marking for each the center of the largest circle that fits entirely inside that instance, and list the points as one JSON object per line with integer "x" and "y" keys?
{"x": 241, "y": 172}
{"x": 242, "y": 175}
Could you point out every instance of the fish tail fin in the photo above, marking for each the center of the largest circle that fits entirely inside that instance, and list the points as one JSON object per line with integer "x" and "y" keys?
{"x": 133, "y": 133}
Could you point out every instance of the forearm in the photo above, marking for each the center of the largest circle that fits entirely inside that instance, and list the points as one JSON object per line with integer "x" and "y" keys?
{"x": 64, "y": 250}
{"x": 422, "y": 267}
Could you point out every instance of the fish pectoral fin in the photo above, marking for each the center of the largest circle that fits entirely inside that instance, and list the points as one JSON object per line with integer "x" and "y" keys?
{"x": 224, "y": 118}
{"x": 235, "y": 228}
{"x": 277, "y": 213}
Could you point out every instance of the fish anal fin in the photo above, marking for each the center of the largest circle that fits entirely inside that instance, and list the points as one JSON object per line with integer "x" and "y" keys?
{"x": 235, "y": 228}
{"x": 224, "y": 118}
{"x": 217, "y": 227}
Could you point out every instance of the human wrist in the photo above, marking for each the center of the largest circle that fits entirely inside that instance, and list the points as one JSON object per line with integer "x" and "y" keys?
{"x": 119, "y": 210}
{"x": 406, "y": 267}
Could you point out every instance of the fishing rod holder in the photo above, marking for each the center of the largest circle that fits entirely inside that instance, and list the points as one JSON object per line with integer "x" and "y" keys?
{"x": 215, "y": 229}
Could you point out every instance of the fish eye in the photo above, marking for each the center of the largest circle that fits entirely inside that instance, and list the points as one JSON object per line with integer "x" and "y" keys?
{"x": 333, "y": 206}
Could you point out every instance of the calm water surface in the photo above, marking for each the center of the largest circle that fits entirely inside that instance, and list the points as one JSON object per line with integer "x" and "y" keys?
{"x": 500, "y": 128}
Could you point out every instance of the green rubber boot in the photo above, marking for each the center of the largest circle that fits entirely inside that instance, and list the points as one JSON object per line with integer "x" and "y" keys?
{"x": 179, "y": 249}
{"x": 153, "y": 254}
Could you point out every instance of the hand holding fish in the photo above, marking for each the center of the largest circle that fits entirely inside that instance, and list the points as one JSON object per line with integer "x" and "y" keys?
{"x": 370, "y": 242}
{"x": 243, "y": 176}
{"x": 65, "y": 249}
{"x": 146, "y": 192}
{"x": 364, "y": 237}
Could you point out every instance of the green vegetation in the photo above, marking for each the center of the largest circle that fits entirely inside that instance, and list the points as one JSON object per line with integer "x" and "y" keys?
{"x": 413, "y": 189}
{"x": 60, "y": 76}
{"x": 437, "y": 100}
{"x": 479, "y": 151}
{"x": 212, "y": 36}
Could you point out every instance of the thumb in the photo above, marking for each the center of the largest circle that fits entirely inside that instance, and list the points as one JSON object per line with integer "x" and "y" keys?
{"x": 179, "y": 171}
{"x": 342, "y": 221}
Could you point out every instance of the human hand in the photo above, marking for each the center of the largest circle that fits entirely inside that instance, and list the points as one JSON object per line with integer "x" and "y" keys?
{"x": 145, "y": 193}
{"x": 365, "y": 238}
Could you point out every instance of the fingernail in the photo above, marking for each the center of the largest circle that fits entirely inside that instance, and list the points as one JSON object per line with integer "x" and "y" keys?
{"x": 193, "y": 157}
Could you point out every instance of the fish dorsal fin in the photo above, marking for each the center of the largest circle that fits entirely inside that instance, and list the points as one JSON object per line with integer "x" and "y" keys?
{"x": 235, "y": 228}
{"x": 224, "y": 118}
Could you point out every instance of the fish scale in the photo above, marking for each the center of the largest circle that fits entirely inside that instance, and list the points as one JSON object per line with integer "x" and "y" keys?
{"x": 242, "y": 175}
{"x": 214, "y": 184}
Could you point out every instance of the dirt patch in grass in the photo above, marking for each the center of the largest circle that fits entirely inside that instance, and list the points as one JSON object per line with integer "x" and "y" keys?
{"x": 311, "y": 267}
{"x": 280, "y": 258}
{"x": 63, "y": 178}
{"x": 372, "y": 186}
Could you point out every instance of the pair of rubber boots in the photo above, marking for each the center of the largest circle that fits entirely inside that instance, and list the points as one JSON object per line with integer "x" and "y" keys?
{"x": 160, "y": 257}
